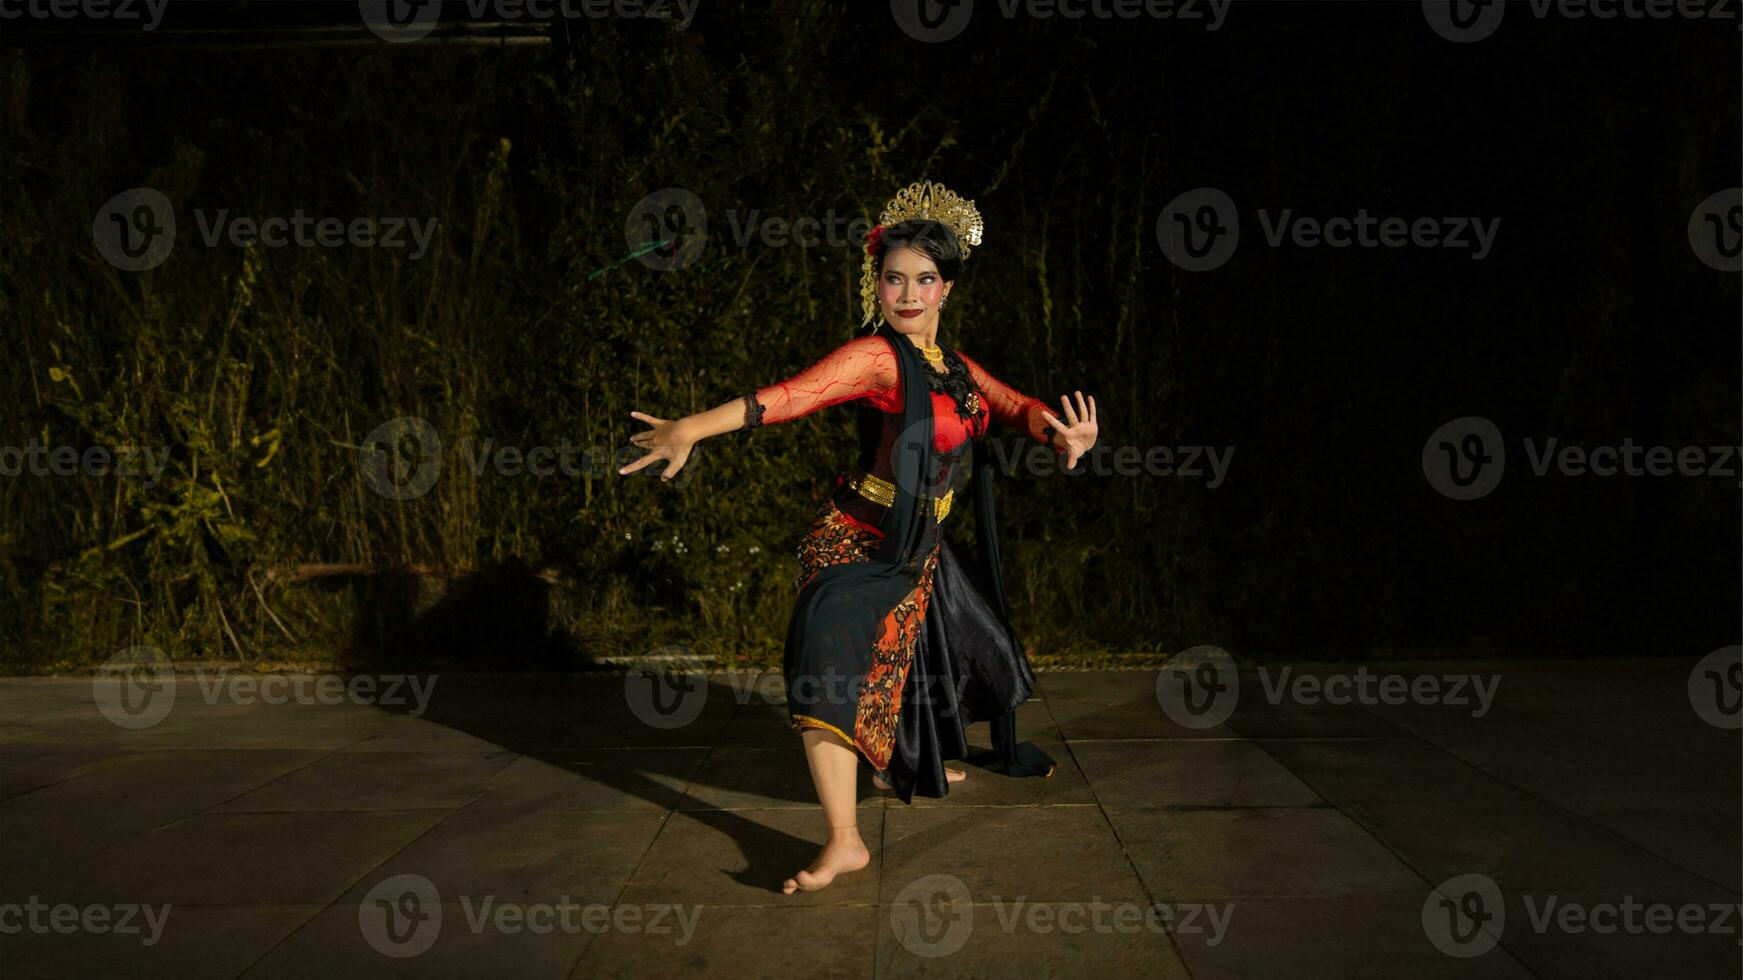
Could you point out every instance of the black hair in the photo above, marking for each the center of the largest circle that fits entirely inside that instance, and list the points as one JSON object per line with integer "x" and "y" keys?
{"x": 932, "y": 239}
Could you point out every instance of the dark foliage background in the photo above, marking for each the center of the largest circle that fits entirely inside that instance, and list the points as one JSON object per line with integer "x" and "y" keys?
{"x": 263, "y": 369}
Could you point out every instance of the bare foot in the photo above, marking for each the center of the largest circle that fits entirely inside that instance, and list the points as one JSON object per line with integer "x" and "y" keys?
{"x": 841, "y": 854}
{"x": 954, "y": 775}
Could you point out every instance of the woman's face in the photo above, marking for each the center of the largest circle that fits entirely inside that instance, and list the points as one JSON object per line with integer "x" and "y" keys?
{"x": 909, "y": 290}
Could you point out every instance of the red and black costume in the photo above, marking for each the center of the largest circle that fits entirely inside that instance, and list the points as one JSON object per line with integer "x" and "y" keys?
{"x": 896, "y": 645}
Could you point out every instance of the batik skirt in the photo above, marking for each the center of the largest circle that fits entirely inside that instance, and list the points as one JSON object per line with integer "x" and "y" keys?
{"x": 836, "y": 538}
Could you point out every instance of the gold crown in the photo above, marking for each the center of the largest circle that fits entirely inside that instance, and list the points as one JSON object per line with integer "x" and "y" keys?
{"x": 922, "y": 200}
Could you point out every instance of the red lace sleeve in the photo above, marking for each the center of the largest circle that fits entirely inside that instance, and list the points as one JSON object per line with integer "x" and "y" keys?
{"x": 862, "y": 367}
{"x": 1008, "y": 405}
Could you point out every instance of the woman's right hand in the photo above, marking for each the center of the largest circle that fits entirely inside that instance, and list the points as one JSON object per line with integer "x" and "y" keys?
{"x": 669, "y": 440}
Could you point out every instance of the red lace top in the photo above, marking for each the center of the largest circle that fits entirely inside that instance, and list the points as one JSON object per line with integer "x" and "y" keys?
{"x": 864, "y": 369}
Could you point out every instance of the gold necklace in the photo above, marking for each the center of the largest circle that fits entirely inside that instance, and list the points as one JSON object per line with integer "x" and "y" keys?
{"x": 933, "y": 354}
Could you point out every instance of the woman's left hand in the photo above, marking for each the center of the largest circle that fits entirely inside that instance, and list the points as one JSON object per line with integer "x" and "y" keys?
{"x": 1078, "y": 431}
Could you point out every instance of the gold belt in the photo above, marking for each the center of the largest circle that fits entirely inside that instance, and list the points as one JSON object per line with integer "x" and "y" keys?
{"x": 881, "y": 491}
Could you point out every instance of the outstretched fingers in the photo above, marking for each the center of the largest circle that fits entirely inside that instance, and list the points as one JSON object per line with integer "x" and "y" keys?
{"x": 642, "y": 463}
{"x": 645, "y": 439}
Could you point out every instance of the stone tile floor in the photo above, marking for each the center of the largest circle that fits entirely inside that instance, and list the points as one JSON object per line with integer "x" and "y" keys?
{"x": 1585, "y": 822}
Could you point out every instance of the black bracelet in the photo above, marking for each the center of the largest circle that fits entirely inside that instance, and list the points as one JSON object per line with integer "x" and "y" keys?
{"x": 753, "y": 411}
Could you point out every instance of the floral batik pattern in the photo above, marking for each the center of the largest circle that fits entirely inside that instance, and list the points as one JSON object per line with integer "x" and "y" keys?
{"x": 834, "y": 539}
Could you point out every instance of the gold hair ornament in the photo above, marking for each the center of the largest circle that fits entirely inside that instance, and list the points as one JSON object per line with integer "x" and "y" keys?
{"x": 922, "y": 200}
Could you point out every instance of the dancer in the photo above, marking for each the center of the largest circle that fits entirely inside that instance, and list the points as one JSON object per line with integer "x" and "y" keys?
{"x": 895, "y": 645}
